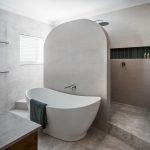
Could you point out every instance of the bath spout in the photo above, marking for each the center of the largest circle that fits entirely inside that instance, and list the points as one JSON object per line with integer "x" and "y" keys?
{"x": 72, "y": 86}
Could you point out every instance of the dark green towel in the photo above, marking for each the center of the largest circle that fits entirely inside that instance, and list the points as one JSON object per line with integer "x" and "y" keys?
{"x": 38, "y": 112}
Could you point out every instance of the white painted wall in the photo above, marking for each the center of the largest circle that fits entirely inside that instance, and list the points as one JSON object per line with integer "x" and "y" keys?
{"x": 128, "y": 27}
{"x": 20, "y": 78}
{"x": 76, "y": 52}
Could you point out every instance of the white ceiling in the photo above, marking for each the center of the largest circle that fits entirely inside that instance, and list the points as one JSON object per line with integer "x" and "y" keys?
{"x": 57, "y": 10}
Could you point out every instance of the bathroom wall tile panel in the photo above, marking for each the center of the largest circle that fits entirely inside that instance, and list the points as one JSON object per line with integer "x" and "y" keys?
{"x": 3, "y": 66}
{"x": 129, "y": 53}
{"x": 3, "y": 30}
{"x": 131, "y": 84}
{"x": 20, "y": 77}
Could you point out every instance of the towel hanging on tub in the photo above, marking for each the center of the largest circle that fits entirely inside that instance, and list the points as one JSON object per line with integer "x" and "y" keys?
{"x": 38, "y": 112}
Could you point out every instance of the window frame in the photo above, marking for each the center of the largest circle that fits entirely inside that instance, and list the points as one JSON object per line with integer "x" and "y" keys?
{"x": 31, "y": 62}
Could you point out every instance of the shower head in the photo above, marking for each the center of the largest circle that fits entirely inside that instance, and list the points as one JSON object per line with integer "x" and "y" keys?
{"x": 102, "y": 23}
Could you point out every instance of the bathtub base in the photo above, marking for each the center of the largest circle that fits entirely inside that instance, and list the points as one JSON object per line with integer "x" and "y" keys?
{"x": 67, "y": 138}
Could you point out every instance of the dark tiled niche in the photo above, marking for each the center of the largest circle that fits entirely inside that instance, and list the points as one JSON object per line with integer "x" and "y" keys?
{"x": 129, "y": 53}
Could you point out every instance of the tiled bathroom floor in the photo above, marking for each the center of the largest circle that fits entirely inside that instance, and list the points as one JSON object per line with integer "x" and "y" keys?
{"x": 133, "y": 119}
{"x": 95, "y": 140}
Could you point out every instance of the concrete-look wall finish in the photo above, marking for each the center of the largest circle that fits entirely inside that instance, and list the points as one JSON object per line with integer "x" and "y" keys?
{"x": 76, "y": 53}
{"x": 20, "y": 77}
{"x": 129, "y": 28}
{"x": 131, "y": 84}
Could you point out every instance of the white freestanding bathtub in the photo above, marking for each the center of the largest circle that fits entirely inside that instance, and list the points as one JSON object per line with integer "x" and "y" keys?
{"x": 69, "y": 116}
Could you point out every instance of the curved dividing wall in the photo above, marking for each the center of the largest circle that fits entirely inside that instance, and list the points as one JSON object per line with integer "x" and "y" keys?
{"x": 76, "y": 53}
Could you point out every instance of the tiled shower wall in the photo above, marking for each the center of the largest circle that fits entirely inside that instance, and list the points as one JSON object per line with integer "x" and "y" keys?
{"x": 20, "y": 77}
{"x": 130, "y": 76}
{"x": 129, "y": 28}
{"x": 130, "y": 52}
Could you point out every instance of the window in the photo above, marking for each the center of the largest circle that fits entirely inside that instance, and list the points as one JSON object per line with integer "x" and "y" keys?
{"x": 31, "y": 50}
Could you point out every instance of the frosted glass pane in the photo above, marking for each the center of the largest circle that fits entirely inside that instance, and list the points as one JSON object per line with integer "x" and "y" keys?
{"x": 31, "y": 50}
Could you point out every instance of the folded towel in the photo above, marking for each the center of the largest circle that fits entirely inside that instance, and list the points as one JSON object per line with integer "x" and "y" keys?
{"x": 38, "y": 112}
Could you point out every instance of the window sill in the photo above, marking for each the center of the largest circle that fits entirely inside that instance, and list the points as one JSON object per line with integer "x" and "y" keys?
{"x": 30, "y": 64}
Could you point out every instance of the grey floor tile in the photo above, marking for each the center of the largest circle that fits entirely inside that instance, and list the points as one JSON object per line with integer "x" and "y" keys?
{"x": 133, "y": 119}
{"x": 95, "y": 140}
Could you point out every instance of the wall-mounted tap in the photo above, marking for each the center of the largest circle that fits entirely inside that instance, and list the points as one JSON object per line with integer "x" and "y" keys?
{"x": 123, "y": 64}
{"x": 72, "y": 86}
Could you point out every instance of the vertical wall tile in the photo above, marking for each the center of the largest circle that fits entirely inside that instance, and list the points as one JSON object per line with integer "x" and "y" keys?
{"x": 129, "y": 53}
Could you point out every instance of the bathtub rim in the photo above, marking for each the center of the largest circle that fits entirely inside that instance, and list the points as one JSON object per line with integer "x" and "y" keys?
{"x": 63, "y": 108}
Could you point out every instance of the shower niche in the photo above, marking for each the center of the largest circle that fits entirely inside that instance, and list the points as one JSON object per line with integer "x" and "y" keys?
{"x": 130, "y": 53}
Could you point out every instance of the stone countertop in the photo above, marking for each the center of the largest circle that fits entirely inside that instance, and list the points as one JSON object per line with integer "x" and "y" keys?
{"x": 13, "y": 128}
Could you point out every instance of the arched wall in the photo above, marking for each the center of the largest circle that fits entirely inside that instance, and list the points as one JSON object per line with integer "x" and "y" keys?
{"x": 76, "y": 52}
